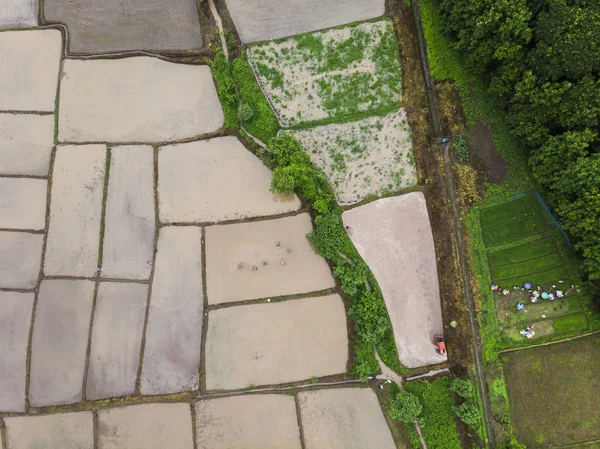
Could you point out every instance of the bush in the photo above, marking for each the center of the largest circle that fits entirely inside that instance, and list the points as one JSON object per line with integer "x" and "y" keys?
{"x": 469, "y": 413}
{"x": 369, "y": 315}
{"x": 459, "y": 144}
{"x": 245, "y": 112}
{"x": 463, "y": 387}
{"x": 406, "y": 407}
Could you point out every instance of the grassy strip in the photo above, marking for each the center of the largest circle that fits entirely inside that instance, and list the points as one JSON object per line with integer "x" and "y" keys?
{"x": 515, "y": 230}
{"x": 529, "y": 250}
{"x": 519, "y": 269}
{"x": 437, "y": 419}
{"x": 509, "y": 210}
{"x": 226, "y": 90}
{"x": 570, "y": 323}
{"x": 262, "y": 122}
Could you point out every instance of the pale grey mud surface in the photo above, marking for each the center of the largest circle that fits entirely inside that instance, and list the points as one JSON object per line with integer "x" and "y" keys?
{"x": 215, "y": 180}
{"x": 139, "y": 99}
{"x": 263, "y": 344}
{"x": 345, "y": 418}
{"x": 284, "y": 260}
{"x": 14, "y": 334}
{"x": 26, "y": 144}
{"x": 62, "y": 431}
{"x": 260, "y": 421}
{"x": 29, "y": 69}
{"x": 60, "y": 336}
{"x": 148, "y": 426}
{"x": 18, "y": 13}
{"x": 261, "y": 20}
{"x": 394, "y": 237}
{"x": 102, "y": 26}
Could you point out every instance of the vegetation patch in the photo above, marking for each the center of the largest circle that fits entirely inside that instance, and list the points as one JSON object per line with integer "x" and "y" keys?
{"x": 372, "y": 156}
{"x": 541, "y": 378}
{"x": 540, "y": 247}
{"x": 516, "y": 229}
{"x": 254, "y": 111}
{"x": 509, "y": 210}
{"x": 331, "y": 74}
{"x": 437, "y": 418}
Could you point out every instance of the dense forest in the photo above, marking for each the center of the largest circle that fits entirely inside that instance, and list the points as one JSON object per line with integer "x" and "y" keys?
{"x": 541, "y": 58}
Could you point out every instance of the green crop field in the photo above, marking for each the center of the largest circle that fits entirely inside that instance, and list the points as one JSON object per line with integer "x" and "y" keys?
{"x": 525, "y": 205}
{"x": 526, "y": 251}
{"x": 571, "y": 414}
{"x": 516, "y": 229}
{"x": 570, "y": 323}
{"x": 526, "y": 267}
{"x": 522, "y": 245}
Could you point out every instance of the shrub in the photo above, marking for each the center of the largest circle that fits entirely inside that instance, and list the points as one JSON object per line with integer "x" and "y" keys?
{"x": 469, "y": 413}
{"x": 369, "y": 315}
{"x": 459, "y": 144}
{"x": 463, "y": 387}
{"x": 406, "y": 407}
{"x": 245, "y": 112}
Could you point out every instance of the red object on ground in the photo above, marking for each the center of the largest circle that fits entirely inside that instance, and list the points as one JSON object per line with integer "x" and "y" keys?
{"x": 440, "y": 344}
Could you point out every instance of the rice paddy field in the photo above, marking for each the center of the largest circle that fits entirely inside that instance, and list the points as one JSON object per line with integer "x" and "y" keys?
{"x": 570, "y": 416}
{"x": 522, "y": 245}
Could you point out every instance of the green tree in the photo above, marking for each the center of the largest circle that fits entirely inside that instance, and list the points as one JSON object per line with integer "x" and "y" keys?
{"x": 406, "y": 407}
{"x": 463, "y": 387}
{"x": 567, "y": 40}
{"x": 370, "y": 317}
{"x": 548, "y": 162}
{"x": 579, "y": 208}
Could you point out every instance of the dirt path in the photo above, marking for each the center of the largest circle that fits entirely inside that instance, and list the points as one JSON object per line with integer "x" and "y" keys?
{"x": 460, "y": 241}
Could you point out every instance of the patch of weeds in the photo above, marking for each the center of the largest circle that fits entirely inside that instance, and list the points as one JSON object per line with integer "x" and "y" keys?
{"x": 314, "y": 380}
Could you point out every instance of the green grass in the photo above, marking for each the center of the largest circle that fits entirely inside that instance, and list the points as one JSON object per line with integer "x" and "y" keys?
{"x": 438, "y": 420}
{"x": 510, "y": 210}
{"x": 553, "y": 392}
{"x": 523, "y": 269}
{"x": 570, "y": 323}
{"x": 544, "y": 278}
{"x": 515, "y": 230}
{"x": 263, "y": 124}
{"x": 226, "y": 90}
{"x": 529, "y": 250}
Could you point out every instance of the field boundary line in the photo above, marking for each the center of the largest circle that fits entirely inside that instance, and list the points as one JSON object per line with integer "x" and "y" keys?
{"x": 577, "y": 337}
